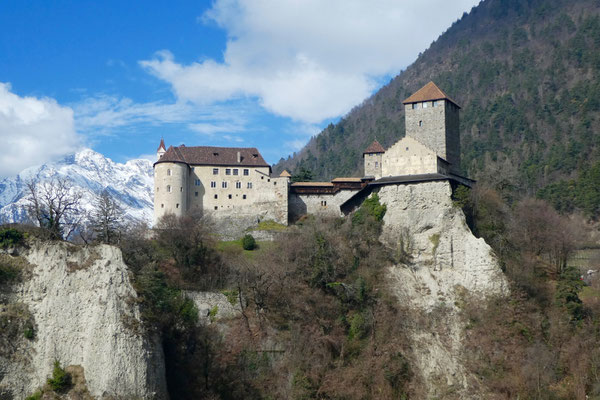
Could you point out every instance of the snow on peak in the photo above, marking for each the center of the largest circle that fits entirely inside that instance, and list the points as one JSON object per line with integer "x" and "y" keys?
{"x": 90, "y": 172}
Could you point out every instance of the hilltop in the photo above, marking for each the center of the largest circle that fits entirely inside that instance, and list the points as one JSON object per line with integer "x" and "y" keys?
{"x": 525, "y": 74}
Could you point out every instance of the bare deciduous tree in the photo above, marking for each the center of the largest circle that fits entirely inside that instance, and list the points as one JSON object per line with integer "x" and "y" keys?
{"x": 106, "y": 218}
{"x": 54, "y": 206}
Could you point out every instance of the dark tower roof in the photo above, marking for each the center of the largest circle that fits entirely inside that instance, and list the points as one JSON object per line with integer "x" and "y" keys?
{"x": 161, "y": 145}
{"x": 374, "y": 148}
{"x": 429, "y": 92}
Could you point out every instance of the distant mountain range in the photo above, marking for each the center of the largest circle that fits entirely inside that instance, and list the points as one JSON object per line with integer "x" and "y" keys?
{"x": 527, "y": 76}
{"x": 130, "y": 184}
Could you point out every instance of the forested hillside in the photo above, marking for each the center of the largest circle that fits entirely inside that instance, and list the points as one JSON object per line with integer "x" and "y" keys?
{"x": 526, "y": 75}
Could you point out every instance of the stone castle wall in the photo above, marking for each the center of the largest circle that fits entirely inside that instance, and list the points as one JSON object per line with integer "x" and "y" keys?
{"x": 324, "y": 205}
{"x": 409, "y": 157}
{"x": 436, "y": 127}
{"x": 372, "y": 164}
{"x": 170, "y": 189}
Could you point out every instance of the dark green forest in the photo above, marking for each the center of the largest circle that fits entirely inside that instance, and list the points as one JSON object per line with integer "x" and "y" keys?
{"x": 525, "y": 73}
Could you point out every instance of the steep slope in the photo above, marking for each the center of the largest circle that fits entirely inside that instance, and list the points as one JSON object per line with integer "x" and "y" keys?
{"x": 82, "y": 312}
{"x": 131, "y": 184}
{"x": 526, "y": 75}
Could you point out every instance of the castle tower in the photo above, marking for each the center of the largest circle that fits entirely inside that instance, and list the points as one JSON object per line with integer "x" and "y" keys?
{"x": 171, "y": 174}
{"x": 432, "y": 119}
{"x": 161, "y": 149}
{"x": 372, "y": 159}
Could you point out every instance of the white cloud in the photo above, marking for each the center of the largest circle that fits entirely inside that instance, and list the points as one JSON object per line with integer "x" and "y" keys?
{"x": 33, "y": 131}
{"x": 310, "y": 59}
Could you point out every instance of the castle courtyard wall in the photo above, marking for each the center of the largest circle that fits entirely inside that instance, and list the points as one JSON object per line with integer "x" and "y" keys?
{"x": 324, "y": 205}
{"x": 409, "y": 157}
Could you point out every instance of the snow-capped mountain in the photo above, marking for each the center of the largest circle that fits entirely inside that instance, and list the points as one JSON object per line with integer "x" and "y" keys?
{"x": 90, "y": 172}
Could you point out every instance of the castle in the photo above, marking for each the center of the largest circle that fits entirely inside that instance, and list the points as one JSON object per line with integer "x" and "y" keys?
{"x": 237, "y": 183}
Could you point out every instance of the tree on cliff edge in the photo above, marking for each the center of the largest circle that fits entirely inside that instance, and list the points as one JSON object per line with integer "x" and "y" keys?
{"x": 54, "y": 206}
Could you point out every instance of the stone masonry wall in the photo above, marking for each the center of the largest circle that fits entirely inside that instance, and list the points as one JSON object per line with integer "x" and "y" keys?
{"x": 409, "y": 157}
{"x": 302, "y": 204}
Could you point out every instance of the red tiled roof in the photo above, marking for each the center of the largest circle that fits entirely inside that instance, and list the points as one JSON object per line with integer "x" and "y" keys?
{"x": 207, "y": 155}
{"x": 375, "y": 147}
{"x": 161, "y": 145}
{"x": 308, "y": 184}
{"x": 429, "y": 92}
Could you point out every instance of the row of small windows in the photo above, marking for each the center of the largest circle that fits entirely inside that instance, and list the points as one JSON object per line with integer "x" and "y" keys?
{"x": 228, "y": 171}
{"x": 229, "y": 196}
{"x": 213, "y": 184}
{"x": 425, "y": 104}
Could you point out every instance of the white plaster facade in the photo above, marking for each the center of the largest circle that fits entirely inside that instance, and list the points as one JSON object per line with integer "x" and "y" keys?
{"x": 410, "y": 157}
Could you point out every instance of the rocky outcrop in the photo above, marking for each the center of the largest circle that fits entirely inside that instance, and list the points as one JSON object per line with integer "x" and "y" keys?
{"x": 85, "y": 314}
{"x": 440, "y": 263}
{"x": 213, "y": 307}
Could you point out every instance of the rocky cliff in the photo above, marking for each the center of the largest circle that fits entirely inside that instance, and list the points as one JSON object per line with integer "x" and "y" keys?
{"x": 442, "y": 264}
{"x": 82, "y": 312}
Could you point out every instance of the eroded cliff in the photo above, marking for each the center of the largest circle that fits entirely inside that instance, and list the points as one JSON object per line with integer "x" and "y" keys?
{"x": 83, "y": 312}
{"x": 442, "y": 264}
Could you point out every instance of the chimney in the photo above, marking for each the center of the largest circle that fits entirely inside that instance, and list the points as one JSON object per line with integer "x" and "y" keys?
{"x": 239, "y": 157}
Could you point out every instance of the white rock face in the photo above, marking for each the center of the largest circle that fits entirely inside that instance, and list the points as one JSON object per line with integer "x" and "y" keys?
{"x": 85, "y": 314}
{"x": 208, "y": 301}
{"x": 445, "y": 262}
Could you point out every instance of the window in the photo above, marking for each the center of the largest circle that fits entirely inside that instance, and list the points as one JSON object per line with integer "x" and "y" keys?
{"x": 181, "y": 188}
{"x": 162, "y": 206}
{"x": 420, "y": 123}
{"x": 227, "y": 171}
{"x": 268, "y": 180}
{"x": 157, "y": 189}
{"x": 215, "y": 171}
{"x": 414, "y": 106}
{"x": 249, "y": 185}
{"x": 238, "y": 185}
{"x": 323, "y": 203}
{"x": 168, "y": 172}
{"x": 229, "y": 197}
{"x": 274, "y": 183}
{"x": 224, "y": 185}
{"x": 196, "y": 194}
{"x": 169, "y": 188}
{"x": 177, "y": 205}
{"x": 246, "y": 172}
{"x": 376, "y": 164}
{"x": 435, "y": 103}
{"x": 407, "y": 149}
{"x": 244, "y": 197}
{"x": 197, "y": 182}
{"x": 235, "y": 171}
{"x": 213, "y": 184}
{"x": 216, "y": 196}
{"x": 216, "y": 207}
{"x": 424, "y": 104}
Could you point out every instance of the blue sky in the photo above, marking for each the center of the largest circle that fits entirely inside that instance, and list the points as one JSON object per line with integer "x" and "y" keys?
{"x": 117, "y": 76}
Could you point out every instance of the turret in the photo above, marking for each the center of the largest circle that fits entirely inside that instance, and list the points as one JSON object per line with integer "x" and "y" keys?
{"x": 171, "y": 174}
{"x": 372, "y": 159}
{"x": 432, "y": 119}
{"x": 161, "y": 149}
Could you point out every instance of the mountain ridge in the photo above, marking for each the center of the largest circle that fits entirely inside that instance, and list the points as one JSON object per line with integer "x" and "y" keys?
{"x": 129, "y": 183}
{"x": 525, "y": 74}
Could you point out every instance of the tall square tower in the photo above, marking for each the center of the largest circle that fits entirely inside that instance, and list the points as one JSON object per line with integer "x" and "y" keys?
{"x": 432, "y": 118}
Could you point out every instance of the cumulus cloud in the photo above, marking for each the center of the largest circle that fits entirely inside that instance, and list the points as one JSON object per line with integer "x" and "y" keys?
{"x": 310, "y": 59}
{"x": 33, "y": 131}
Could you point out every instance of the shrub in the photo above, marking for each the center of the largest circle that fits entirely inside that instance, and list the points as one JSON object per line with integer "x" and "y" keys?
{"x": 370, "y": 207}
{"x": 248, "y": 242}
{"x": 61, "y": 379}
{"x": 36, "y": 396}
{"x": 10, "y": 237}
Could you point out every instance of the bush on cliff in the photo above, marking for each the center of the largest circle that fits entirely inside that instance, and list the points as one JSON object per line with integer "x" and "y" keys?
{"x": 61, "y": 380}
{"x": 248, "y": 242}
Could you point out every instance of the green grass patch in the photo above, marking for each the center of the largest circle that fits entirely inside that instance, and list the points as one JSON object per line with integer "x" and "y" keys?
{"x": 235, "y": 246}
{"x": 589, "y": 293}
{"x": 270, "y": 225}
